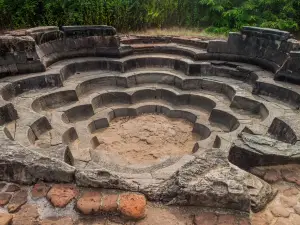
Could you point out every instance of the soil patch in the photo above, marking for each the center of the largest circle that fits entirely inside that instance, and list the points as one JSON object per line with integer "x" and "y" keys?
{"x": 147, "y": 138}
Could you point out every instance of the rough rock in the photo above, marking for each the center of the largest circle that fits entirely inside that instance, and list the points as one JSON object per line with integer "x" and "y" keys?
{"x": 291, "y": 68}
{"x": 257, "y": 45}
{"x": 260, "y": 192}
{"x": 28, "y": 167}
{"x": 21, "y": 54}
{"x": 19, "y": 199}
{"x": 256, "y": 150}
{"x": 83, "y": 31}
{"x": 61, "y": 194}
{"x": 286, "y": 129}
{"x": 132, "y": 205}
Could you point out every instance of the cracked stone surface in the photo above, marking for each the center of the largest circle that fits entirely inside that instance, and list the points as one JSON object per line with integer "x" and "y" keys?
{"x": 262, "y": 151}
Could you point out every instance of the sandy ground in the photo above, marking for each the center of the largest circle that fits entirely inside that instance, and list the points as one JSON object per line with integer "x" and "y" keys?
{"x": 147, "y": 138}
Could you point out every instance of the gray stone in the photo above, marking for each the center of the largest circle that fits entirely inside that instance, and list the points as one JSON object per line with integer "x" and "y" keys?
{"x": 20, "y": 53}
{"x": 288, "y": 95}
{"x": 260, "y": 192}
{"x": 18, "y": 164}
{"x": 82, "y": 31}
{"x": 286, "y": 129}
{"x": 257, "y": 150}
{"x": 266, "y": 32}
{"x": 258, "y": 45}
{"x": 7, "y": 113}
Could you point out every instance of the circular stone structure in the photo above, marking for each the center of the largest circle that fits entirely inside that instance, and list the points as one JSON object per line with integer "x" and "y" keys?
{"x": 144, "y": 139}
{"x": 76, "y": 101}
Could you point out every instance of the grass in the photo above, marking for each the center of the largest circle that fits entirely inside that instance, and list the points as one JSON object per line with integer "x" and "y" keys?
{"x": 179, "y": 31}
{"x": 173, "y": 31}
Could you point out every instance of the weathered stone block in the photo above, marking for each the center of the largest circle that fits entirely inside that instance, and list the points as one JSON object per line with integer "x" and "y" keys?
{"x": 256, "y": 150}
{"x": 24, "y": 166}
{"x": 286, "y": 128}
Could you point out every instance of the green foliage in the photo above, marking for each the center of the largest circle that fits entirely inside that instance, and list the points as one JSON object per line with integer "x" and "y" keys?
{"x": 233, "y": 14}
{"x": 220, "y": 16}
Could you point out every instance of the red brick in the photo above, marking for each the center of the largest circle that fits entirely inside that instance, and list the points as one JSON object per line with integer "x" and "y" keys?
{"x": 132, "y": 205}
{"x": 61, "y": 194}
